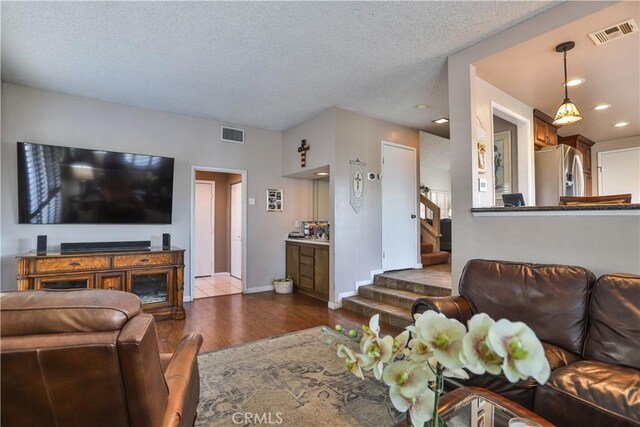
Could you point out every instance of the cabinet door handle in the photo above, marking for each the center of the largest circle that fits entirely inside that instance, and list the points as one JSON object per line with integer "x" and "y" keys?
{"x": 144, "y": 260}
{"x": 74, "y": 264}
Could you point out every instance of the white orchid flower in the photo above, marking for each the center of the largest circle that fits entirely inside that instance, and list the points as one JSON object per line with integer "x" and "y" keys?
{"x": 521, "y": 349}
{"x": 353, "y": 362}
{"x": 420, "y": 350}
{"x": 409, "y": 378}
{"x": 378, "y": 352}
{"x": 477, "y": 354}
{"x": 420, "y": 408}
{"x": 400, "y": 343}
{"x": 443, "y": 336}
{"x": 373, "y": 330}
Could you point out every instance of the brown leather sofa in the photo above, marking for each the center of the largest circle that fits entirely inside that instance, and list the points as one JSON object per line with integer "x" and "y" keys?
{"x": 91, "y": 358}
{"x": 590, "y": 332}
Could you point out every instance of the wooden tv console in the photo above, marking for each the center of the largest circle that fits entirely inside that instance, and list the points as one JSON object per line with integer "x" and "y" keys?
{"x": 155, "y": 275}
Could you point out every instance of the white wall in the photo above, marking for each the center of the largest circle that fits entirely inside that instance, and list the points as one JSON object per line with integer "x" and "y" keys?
{"x": 52, "y": 118}
{"x": 358, "y": 237}
{"x": 598, "y": 242}
{"x": 435, "y": 162}
{"x": 490, "y": 100}
{"x": 612, "y": 144}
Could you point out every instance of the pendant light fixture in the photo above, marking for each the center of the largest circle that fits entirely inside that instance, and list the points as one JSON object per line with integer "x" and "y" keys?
{"x": 567, "y": 111}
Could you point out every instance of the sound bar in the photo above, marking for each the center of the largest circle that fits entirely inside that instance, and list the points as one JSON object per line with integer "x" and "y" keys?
{"x": 131, "y": 245}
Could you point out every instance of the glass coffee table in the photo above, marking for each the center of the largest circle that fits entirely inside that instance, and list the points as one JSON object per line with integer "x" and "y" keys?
{"x": 478, "y": 407}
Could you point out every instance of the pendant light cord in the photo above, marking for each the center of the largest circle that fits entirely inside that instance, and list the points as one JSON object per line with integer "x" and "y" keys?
{"x": 566, "y": 89}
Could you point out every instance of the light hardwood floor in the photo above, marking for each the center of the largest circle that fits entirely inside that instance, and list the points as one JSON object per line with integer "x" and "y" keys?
{"x": 236, "y": 319}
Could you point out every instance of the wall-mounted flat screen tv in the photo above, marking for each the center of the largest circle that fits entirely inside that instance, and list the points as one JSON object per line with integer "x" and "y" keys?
{"x": 63, "y": 185}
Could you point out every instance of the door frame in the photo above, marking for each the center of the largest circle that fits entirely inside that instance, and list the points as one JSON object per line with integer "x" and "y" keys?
{"x": 213, "y": 223}
{"x": 191, "y": 257}
{"x": 416, "y": 234}
{"x": 231, "y": 230}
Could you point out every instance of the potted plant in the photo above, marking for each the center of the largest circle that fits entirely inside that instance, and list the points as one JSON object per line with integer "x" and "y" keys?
{"x": 284, "y": 285}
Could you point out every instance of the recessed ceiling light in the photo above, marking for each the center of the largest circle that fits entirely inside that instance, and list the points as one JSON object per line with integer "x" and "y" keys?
{"x": 621, "y": 124}
{"x": 421, "y": 106}
{"x": 322, "y": 173}
{"x": 601, "y": 107}
{"x": 441, "y": 120}
{"x": 575, "y": 82}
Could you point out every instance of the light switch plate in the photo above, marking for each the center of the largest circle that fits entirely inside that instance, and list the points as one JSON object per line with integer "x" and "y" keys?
{"x": 252, "y": 201}
{"x": 482, "y": 185}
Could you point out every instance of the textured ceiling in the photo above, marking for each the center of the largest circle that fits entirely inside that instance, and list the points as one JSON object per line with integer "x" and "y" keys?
{"x": 268, "y": 65}
{"x": 533, "y": 73}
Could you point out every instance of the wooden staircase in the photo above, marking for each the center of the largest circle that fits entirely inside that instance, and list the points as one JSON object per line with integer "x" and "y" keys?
{"x": 391, "y": 297}
{"x": 430, "y": 252}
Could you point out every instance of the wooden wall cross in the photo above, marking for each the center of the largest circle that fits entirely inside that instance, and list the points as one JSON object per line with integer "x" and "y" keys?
{"x": 303, "y": 152}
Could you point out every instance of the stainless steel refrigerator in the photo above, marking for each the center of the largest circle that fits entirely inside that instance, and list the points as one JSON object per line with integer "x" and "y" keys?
{"x": 559, "y": 173}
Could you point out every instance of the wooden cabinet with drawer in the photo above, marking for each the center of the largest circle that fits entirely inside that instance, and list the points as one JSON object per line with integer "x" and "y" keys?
{"x": 308, "y": 267}
{"x": 155, "y": 276}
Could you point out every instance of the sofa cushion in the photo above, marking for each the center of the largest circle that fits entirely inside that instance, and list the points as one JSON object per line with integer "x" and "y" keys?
{"x": 66, "y": 311}
{"x": 521, "y": 392}
{"x": 590, "y": 393}
{"x": 614, "y": 321}
{"x": 551, "y": 299}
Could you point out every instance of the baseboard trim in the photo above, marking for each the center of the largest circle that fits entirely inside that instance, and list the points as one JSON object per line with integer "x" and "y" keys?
{"x": 418, "y": 265}
{"x": 221, "y": 274}
{"x": 259, "y": 289}
{"x": 334, "y": 305}
{"x": 187, "y": 298}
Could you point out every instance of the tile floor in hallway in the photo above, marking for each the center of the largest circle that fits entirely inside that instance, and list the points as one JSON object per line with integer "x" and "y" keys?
{"x": 214, "y": 286}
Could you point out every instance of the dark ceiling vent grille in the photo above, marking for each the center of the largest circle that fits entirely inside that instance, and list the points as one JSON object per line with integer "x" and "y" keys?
{"x": 232, "y": 135}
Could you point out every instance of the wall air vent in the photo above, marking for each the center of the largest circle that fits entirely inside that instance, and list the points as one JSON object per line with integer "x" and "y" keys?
{"x": 614, "y": 32}
{"x": 232, "y": 135}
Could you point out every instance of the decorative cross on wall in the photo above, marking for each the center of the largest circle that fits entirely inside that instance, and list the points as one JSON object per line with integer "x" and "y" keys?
{"x": 303, "y": 152}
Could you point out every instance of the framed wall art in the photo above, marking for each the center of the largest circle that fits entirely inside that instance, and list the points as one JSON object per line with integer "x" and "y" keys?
{"x": 275, "y": 200}
{"x": 357, "y": 184}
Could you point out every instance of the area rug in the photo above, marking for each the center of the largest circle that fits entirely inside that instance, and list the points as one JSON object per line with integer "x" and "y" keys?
{"x": 292, "y": 380}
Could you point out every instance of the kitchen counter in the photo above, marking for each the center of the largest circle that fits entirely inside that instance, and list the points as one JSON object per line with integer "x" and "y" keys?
{"x": 323, "y": 242}
{"x": 622, "y": 209}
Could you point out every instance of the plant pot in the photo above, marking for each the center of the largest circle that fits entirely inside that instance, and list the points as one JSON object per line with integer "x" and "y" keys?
{"x": 283, "y": 286}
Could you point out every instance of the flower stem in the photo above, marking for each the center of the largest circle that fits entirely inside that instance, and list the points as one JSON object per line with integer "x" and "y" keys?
{"x": 439, "y": 386}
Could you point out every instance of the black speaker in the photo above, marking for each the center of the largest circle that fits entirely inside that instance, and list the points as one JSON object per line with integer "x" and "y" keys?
{"x": 166, "y": 241}
{"x": 42, "y": 245}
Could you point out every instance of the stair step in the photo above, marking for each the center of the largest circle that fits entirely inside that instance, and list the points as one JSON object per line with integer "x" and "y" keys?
{"x": 403, "y": 284}
{"x": 396, "y": 297}
{"x": 389, "y": 314}
{"x": 426, "y": 248}
{"x": 434, "y": 258}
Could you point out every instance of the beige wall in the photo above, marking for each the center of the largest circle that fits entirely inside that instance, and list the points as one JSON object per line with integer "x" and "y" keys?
{"x": 599, "y": 242}
{"x": 222, "y": 227}
{"x": 612, "y": 144}
{"x": 52, "y": 118}
{"x": 435, "y": 162}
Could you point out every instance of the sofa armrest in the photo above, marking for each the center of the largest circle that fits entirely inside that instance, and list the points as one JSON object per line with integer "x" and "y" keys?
{"x": 183, "y": 380}
{"x": 456, "y": 307}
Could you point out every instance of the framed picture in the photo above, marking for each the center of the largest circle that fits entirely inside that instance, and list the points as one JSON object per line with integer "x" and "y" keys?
{"x": 275, "y": 200}
{"x": 502, "y": 164}
{"x": 482, "y": 157}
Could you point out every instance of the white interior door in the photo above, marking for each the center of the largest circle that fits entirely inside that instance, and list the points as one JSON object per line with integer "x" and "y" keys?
{"x": 399, "y": 207}
{"x": 204, "y": 226}
{"x": 236, "y": 230}
{"x": 619, "y": 173}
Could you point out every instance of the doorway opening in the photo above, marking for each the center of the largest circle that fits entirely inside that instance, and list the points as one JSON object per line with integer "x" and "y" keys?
{"x": 217, "y": 243}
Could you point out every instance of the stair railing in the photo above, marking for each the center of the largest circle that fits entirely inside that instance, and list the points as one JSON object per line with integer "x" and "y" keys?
{"x": 430, "y": 233}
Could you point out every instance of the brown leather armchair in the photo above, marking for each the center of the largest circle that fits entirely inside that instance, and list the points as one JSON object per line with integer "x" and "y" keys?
{"x": 90, "y": 358}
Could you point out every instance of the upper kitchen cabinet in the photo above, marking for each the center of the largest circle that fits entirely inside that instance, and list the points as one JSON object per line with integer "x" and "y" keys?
{"x": 544, "y": 132}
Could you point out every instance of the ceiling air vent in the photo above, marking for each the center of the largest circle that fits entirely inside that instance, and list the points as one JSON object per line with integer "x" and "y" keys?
{"x": 615, "y": 32}
{"x": 232, "y": 135}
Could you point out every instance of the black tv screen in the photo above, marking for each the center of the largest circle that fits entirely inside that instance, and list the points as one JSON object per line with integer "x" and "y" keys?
{"x": 63, "y": 185}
